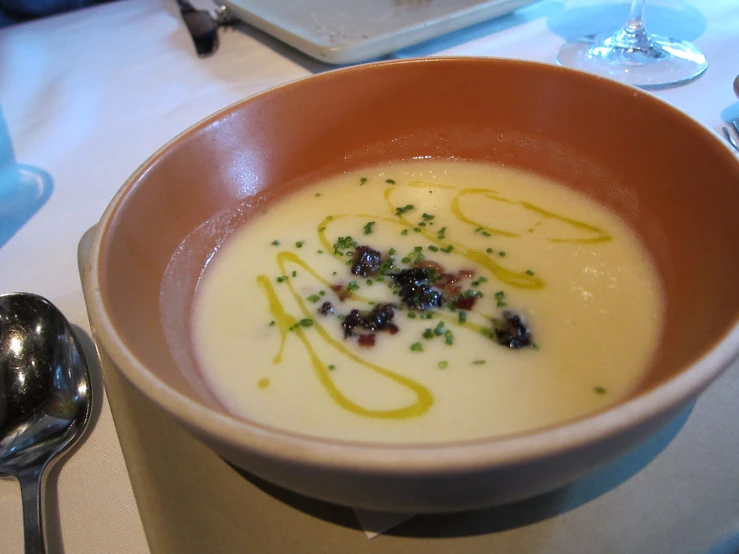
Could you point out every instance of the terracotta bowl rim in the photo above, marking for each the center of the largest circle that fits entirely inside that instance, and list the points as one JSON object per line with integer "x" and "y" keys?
{"x": 401, "y": 458}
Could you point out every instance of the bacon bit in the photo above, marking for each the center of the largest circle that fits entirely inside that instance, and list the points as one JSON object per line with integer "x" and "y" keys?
{"x": 340, "y": 291}
{"x": 445, "y": 280}
{"x": 392, "y": 328}
{"x": 425, "y": 264}
{"x": 465, "y": 303}
{"x": 367, "y": 340}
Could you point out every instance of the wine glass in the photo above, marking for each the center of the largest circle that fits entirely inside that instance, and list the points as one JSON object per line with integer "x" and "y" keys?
{"x": 633, "y": 56}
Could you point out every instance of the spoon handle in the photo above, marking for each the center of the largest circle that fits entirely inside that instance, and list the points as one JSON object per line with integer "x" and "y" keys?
{"x": 33, "y": 531}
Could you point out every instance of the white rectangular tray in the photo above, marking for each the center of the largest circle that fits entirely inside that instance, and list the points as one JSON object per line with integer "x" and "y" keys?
{"x": 352, "y": 31}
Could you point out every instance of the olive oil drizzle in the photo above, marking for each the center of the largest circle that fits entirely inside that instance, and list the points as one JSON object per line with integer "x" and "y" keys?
{"x": 602, "y": 236}
{"x": 487, "y": 193}
{"x": 424, "y": 398}
{"x": 518, "y": 279}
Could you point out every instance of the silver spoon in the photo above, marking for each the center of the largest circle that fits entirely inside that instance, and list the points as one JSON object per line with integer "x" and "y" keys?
{"x": 45, "y": 399}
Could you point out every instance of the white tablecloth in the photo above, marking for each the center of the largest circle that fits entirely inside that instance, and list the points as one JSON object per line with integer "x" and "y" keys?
{"x": 89, "y": 95}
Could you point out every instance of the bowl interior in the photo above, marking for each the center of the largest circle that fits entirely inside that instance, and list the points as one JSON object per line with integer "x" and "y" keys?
{"x": 668, "y": 178}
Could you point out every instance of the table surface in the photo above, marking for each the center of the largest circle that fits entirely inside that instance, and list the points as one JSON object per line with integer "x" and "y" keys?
{"x": 86, "y": 97}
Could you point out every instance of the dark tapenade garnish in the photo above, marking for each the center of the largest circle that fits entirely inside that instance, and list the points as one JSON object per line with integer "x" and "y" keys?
{"x": 415, "y": 290}
{"x": 366, "y": 261}
{"x": 380, "y": 318}
{"x": 326, "y": 308}
{"x": 511, "y": 331}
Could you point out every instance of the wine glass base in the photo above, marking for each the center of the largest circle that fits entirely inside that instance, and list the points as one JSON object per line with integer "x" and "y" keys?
{"x": 661, "y": 63}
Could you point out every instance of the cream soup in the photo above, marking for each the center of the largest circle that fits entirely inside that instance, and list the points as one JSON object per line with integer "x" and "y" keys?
{"x": 427, "y": 301}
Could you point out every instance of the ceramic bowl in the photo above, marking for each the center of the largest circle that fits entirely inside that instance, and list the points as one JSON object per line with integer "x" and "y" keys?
{"x": 670, "y": 179}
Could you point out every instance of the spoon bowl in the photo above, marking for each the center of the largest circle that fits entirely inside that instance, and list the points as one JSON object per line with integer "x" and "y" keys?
{"x": 45, "y": 399}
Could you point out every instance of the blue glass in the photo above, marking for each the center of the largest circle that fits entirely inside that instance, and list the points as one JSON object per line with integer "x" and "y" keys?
{"x": 23, "y": 188}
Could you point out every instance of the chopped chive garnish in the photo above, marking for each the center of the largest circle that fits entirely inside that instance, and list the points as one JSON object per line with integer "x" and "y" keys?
{"x": 369, "y": 282}
{"x": 322, "y": 292}
{"x": 299, "y": 244}
{"x": 390, "y": 181}
{"x": 433, "y": 248}
{"x": 478, "y": 362}
{"x": 462, "y": 316}
{"x": 405, "y": 260}
{"x": 427, "y": 217}
{"x": 344, "y": 243}
{"x": 272, "y": 323}
{"x": 422, "y": 224}
{"x": 400, "y": 211}
{"x": 313, "y": 298}
{"x": 319, "y": 251}
{"x": 427, "y": 315}
{"x": 404, "y": 232}
{"x": 529, "y": 272}
{"x": 295, "y": 273}
{"x": 352, "y": 285}
{"x": 448, "y": 337}
{"x": 329, "y": 217}
{"x": 391, "y": 251}
{"x": 417, "y": 347}
{"x": 428, "y": 334}
{"x": 321, "y": 229}
{"x": 318, "y": 194}
{"x": 442, "y": 365}
{"x": 448, "y": 249}
{"x": 489, "y": 250}
{"x": 363, "y": 180}
{"x": 275, "y": 243}
{"x": 501, "y": 254}
{"x": 439, "y": 329}
{"x": 412, "y": 315}
{"x": 306, "y": 322}
{"x": 417, "y": 229}
{"x": 441, "y": 233}
{"x": 368, "y": 228}
{"x": 599, "y": 390}
{"x": 332, "y": 367}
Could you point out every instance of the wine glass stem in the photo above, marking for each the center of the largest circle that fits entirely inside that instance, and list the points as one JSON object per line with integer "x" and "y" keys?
{"x": 633, "y": 35}
{"x": 636, "y": 15}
